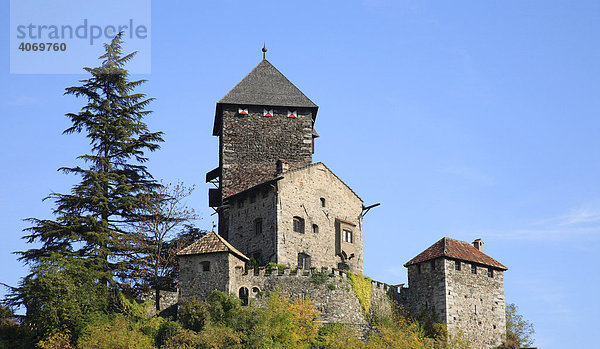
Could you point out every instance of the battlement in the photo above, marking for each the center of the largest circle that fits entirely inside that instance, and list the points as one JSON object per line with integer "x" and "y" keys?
{"x": 262, "y": 271}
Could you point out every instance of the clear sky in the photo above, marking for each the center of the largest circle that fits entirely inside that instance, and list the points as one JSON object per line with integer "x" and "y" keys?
{"x": 464, "y": 119}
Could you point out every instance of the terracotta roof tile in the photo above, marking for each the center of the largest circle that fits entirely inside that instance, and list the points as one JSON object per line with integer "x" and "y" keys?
{"x": 211, "y": 243}
{"x": 456, "y": 249}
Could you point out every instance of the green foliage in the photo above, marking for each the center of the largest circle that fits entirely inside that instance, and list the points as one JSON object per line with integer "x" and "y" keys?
{"x": 402, "y": 333}
{"x": 319, "y": 277}
{"x": 519, "y": 332}
{"x": 338, "y": 336}
{"x": 57, "y": 340}
{"x": 193, "y": 315}
{"x": 280, "y": 267}
{"x": 331, "y": 287}
{"x": 60, "y": 295}
{"x": 12, "y": 334}
{"x": 362, "y": 289}
{"x": 431, "y": 328}
{"x": 115, "y": 334}
{"x": 93, "y": 221}
{"x": 166, "y": 331}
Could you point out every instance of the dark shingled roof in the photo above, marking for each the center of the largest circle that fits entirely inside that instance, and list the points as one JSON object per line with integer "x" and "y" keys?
{"x": 265, "y": 85}
{"x": 455, "y": 249}
{"x": 211, "y": 243}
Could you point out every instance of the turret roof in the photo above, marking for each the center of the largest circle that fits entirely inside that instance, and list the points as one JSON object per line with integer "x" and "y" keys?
{"x": 211, "y": 243}
{"x": 265, "y": 85}
{"x": 456, "y": 249}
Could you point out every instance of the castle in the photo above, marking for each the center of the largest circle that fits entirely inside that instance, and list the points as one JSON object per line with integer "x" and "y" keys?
{"x": 276, "y": 206}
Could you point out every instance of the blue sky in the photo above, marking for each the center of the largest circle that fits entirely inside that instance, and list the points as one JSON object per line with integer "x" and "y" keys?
{"x": 464, "y": 119}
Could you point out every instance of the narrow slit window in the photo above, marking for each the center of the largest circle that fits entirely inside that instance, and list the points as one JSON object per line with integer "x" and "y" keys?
{"x": 315, "y": 229}
{"x": 473, "y": 269}
{"x": 258, "y": 226}
{"x": 322, "y": 202}
{"x": 457, "y": 265}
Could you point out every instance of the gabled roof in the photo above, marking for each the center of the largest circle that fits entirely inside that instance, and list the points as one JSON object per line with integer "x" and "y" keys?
{"x": 456, "y": 249}
{"x": 282, "y": 176}
{"x": 211, "y": 243}
{"x": 265, "y": 85}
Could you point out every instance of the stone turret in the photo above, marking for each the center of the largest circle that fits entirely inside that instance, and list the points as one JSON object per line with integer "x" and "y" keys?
{"x": 460, "y": 285}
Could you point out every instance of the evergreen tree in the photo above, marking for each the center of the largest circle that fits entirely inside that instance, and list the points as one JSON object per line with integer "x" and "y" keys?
{"x": 93, "y": 229}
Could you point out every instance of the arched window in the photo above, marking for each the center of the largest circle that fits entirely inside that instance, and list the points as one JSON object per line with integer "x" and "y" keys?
{"x": 303, "y": 261}
{"x": 205, "y": 266}
{"x": 243, "y": 294}
{"x": 322, "y": 202}
{"x": 315, "y": 229}
{"x": 255, "y": 291}
{"x": 299, "y": 225}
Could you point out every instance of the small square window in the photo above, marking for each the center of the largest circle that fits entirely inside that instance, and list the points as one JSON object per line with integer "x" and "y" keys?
{"x": 491, "y": 272}
{"x": 473, "y": 269}
{"x": 456, "y": 265}
{"x": 205, "y": 266}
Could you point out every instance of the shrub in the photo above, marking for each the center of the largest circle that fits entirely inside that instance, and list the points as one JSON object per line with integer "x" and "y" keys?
{"x": 116, "y": 334}
{"x": 319, "y": 277}
{"x": 167, "y": 330}
{"x": 193, "y": 315}
{"x": 57, "y": 340}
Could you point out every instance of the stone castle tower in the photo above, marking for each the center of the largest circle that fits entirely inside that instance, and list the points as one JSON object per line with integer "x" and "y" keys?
{"x": 276, "y": 206}
{"x": 456, "y": 283}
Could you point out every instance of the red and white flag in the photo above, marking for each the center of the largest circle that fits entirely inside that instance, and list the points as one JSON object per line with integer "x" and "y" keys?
{"x": 268, "y": 112}
{"x": 243, "y": 111}
{"x": 292, "y": 114}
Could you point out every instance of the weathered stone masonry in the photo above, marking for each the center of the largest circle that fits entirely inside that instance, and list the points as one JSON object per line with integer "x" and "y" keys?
{"x": 276, "y": 206}
{"x": 251, "y": 145}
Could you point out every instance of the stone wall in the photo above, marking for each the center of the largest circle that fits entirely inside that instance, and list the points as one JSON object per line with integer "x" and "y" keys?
{"x": 427, "y": 289}
{"x": 250, "y": 145}
{"x": 335, "y": 298}
{"x": 299, "y": 195}
{"x": 195, "y": 282}
{"x": 476, "y": 304}
{"x": 243, "y": 213}
{"x": 167, "y": 298}
{"x": 471, "y": 304}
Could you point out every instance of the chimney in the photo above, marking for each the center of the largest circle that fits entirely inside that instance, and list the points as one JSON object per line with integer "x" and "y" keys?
{"x": 478, "y": 244}
{"x": 282, "y": 166}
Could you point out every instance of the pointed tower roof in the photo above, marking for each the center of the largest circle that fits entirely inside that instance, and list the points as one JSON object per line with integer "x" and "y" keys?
{"x": 211, "y": 243}
{"x": 456, "y": 249}
{"x": 265, "y": 85}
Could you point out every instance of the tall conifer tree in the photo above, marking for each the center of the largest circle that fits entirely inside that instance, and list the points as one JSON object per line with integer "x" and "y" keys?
{"x": 93, "y": 222}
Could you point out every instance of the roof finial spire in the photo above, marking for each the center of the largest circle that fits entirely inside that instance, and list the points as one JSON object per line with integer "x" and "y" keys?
{"x": 264, "y": 50}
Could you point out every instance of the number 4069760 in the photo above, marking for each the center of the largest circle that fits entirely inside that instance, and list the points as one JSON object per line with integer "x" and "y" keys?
{"x": 49, "y": 46}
